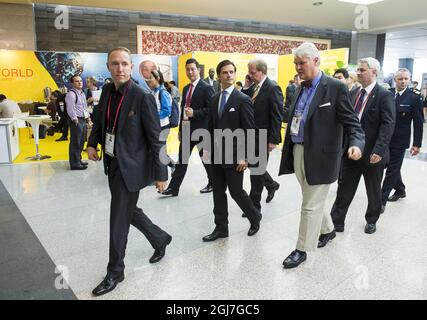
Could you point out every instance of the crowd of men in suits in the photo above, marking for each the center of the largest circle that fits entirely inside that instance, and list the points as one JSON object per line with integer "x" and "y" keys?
{"x": 332, "y": 134}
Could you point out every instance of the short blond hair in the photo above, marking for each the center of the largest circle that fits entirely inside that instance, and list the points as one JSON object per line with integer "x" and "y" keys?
{"x": 119, "y": 49}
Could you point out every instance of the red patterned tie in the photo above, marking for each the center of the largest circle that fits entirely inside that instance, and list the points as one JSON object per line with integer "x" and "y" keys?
{"x": 188, "y": 98}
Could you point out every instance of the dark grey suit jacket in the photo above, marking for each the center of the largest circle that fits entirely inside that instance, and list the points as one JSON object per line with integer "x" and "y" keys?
{"x": 215, "y": 86}
{"x": 269, "y": 110}
{"x": 323, "y": 133}
{"x": 378, "y": 120}
{"x": 137, "y": 145}
{"x": 200, "y": 101}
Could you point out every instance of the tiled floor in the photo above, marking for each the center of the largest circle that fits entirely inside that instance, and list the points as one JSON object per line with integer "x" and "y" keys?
{"x": 69, "y": 212}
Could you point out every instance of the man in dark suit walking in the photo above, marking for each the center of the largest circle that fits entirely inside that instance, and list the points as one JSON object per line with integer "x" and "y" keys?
{"x": 290, "y": 91}
{"x": 320, "y": 116}
{"x": 409, "y": 109}
{"x": 267, "y": 98}
{"x": 210, "y": 80}
{"x": 195, "y": 102}
{"x": 375, "y": 108}
{"x": 128, "y": 128}
{"x": 232, "y": 115}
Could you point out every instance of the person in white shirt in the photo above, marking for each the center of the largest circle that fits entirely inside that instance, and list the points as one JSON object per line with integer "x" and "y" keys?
{"x": 8, "y": 107}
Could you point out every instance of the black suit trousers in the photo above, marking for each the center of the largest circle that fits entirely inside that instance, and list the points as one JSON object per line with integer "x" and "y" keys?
{"x": 351, "y": 172}
{"x": 393, "y": 177}
{"x": 77, "y": 140}
{"x": 62, "y": 125}
{"x": 123, "y": 213}
{"x": 223, "y": 178}
{"x": 181, "y": 167}
{"x": 258, "y": 182}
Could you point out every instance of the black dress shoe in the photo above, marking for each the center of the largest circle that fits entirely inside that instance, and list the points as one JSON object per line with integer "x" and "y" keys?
{"x": 325, "y": 238}
{"x": 339, "y": 228}
{"x": 370, "y": 228}
{"x": 271, "y": 193}
{"x": 160, "y": 252}
{"x": 80, "y": 167}
{"x": 396, "y": 196}
{"x": 207, "y": 189}
{"x": 170, "y": 192}
{"x": 107, "y": 285}
{"x": 84, "y": 163}
{"x": 253, "y": 229}
{"x": 215, "y": 235}
{"x": 294, "y": 259}
{"x": 62, "y": 139}
{"x": 382, "y": 209}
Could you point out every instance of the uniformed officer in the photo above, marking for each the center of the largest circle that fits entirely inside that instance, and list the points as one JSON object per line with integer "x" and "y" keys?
{"x": 409, "y": 108}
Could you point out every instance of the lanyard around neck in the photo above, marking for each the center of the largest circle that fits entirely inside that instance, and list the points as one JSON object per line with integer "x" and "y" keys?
{"x": 118, "y": 108}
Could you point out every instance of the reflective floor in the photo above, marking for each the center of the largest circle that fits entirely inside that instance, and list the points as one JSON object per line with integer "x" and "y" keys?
{"x": 69, "y": 213}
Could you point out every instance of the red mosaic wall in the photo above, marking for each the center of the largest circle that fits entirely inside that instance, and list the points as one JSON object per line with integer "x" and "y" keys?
{"x": 176, "y": 43}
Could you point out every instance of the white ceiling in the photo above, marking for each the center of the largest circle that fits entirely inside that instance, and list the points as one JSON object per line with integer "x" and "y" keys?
{"x": 386, "y": 15}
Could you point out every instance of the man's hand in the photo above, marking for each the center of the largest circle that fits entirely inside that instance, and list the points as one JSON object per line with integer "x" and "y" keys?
{"x": 271, "y": 147}
{"x": 76, "y": 121}
{"x": 189, "y": 112}
{"x": 242, "y": 166}
{"x": 90, "y": 100}
{"x": 160, "y": 185}
{"x": 415, "y": 150}
{"x": 354, "y": 153}
{"x": 92, "y": 154}
{"x": 375, "y": 158}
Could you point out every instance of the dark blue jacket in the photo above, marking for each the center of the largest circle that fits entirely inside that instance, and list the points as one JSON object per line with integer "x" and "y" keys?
{"x": 409, "y": 107}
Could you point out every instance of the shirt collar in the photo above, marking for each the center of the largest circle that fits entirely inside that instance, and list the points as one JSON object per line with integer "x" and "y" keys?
{"x": 262, "y": 81}
{"x": 121, "y": 90}
{"x": 401, "y": 92}
{"x": 369, "y": 88}
{"x": 316, "y": 80}
{"x": 195, "y": 83}
{"x": 229, "y": 90}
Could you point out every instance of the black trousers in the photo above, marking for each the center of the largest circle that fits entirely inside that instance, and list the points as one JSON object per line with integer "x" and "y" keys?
{"x": 258, "y": 182}
{"x": 164, "y": 135}
{"x": 181, "y": 167}
{"x": 77, "y": 139}
{"x": 63, "y": 124}
{"x": 351, "y": 172}
{"x": 393, "y": 177}
{"x": 223, "y": 178}
{"x": 123, "y": 213}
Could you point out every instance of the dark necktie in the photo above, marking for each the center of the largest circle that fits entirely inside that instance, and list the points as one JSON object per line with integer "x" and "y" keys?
{"x": 222, "y": 103}
{"x": 359, "y": 104}
{"x": 398, "y": 98}
{"x": 307, "y": 84}
{"x": 188, "y": 98}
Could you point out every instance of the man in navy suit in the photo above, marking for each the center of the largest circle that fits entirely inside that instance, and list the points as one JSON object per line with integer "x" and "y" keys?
{"x": 374, "y": 106}
{"x": 196, "y": 98}
{"x": 409, "y": 109}
{"x": 232, "y": 115}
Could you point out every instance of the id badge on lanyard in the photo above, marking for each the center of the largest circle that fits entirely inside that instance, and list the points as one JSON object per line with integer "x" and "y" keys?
{"x": 296, "y": 122}
{"x": 110, "y": 136}
{"x": 109, "y": 144}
